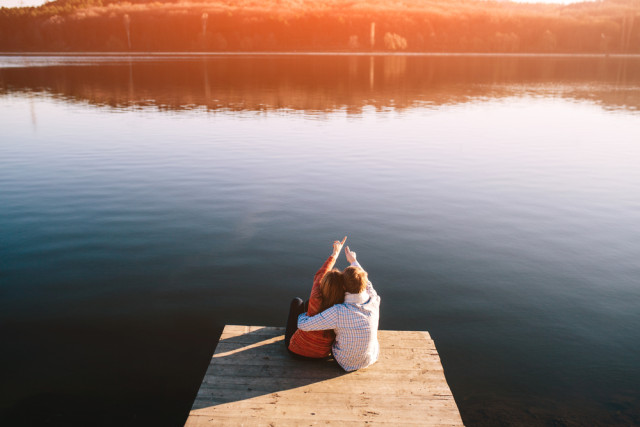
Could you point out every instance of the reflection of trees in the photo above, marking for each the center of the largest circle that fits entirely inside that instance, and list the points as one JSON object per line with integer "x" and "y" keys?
{"x": 395, "y": 67}
{"x": 327, "y": 83}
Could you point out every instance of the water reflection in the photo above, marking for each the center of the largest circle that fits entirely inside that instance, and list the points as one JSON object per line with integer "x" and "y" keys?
{"x": 322, "y": 83}
{"x": 509, "y": 226}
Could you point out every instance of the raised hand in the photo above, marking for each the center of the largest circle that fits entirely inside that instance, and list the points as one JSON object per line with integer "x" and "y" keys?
{"x": 351, "y": 256}
{"x": 337, "y": 246}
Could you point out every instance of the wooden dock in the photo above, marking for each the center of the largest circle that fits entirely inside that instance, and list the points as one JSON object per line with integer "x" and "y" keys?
{"x": 252, "y": 381}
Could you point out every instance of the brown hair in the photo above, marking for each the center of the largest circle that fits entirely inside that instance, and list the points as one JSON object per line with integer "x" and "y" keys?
{"x": 355, "y": 280}
{"x": 332, "y": 289}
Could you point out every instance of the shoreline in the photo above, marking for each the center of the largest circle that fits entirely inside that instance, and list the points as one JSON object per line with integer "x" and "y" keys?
{"x": 375, "y": 53}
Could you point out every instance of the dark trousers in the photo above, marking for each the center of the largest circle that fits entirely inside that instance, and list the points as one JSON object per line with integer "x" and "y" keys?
{"x": 296, "y": 308}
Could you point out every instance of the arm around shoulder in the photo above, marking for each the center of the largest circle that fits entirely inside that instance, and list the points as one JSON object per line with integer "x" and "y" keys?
{"x": 328, "y": 319}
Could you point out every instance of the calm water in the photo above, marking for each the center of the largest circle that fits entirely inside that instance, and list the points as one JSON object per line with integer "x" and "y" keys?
{"x": 146, "y": 202}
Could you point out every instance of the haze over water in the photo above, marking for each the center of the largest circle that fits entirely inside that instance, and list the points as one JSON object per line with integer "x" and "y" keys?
{"x": 147, "y": 202}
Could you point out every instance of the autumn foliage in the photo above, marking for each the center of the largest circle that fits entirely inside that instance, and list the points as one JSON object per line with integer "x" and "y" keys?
{"x": 608, "y": 26}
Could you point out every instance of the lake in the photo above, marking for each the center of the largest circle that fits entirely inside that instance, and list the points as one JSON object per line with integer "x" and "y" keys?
{"x": 147, "y": 201}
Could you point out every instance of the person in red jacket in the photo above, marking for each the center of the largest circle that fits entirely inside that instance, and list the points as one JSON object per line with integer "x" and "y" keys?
{"x": 327, "y": 290}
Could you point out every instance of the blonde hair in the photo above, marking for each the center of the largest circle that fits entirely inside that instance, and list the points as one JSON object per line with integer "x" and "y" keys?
{"x": 355, "y": 280}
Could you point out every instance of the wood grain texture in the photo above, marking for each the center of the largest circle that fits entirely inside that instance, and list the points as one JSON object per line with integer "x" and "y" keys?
{"x": 253, "y": 381}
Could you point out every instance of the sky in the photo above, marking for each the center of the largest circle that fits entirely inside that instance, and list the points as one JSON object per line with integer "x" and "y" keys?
{"x": 19, "y": 3}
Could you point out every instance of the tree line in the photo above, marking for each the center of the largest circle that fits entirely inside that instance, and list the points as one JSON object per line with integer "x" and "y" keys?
{"x": 607, "y": 26}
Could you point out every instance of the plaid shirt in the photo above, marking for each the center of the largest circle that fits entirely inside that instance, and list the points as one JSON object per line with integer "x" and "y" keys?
{"x": 356, "y": 325}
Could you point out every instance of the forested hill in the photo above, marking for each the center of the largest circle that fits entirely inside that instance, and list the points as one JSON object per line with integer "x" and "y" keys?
{"x": 608, "y": 26}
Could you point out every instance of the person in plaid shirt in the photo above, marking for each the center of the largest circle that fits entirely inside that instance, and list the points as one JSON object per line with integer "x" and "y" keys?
{"x": 355, "y": 321}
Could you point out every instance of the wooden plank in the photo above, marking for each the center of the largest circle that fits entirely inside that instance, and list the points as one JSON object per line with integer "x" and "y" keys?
{"x": 410, "y": 398}
{"x": 244, "y": 329}
{"x": 235, "y": 421}
{"x": 275, "y": 412}
{"x": 354, "y": 382}
{"x": 387, "y": 334}
{"x": 309, "y": 372}
{"x": 269, "y": 346}
{"x": 403, "y": 360}
{"x": 384, "y": 339}
{"x": 252, "y": 380}
{"x": 287, "y": 410}
{"x": 266, "y": 386}
{"x": 247, "y": 332}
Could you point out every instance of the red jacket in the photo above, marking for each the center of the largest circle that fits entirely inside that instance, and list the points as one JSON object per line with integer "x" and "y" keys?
{"x": 315, "y": 343}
